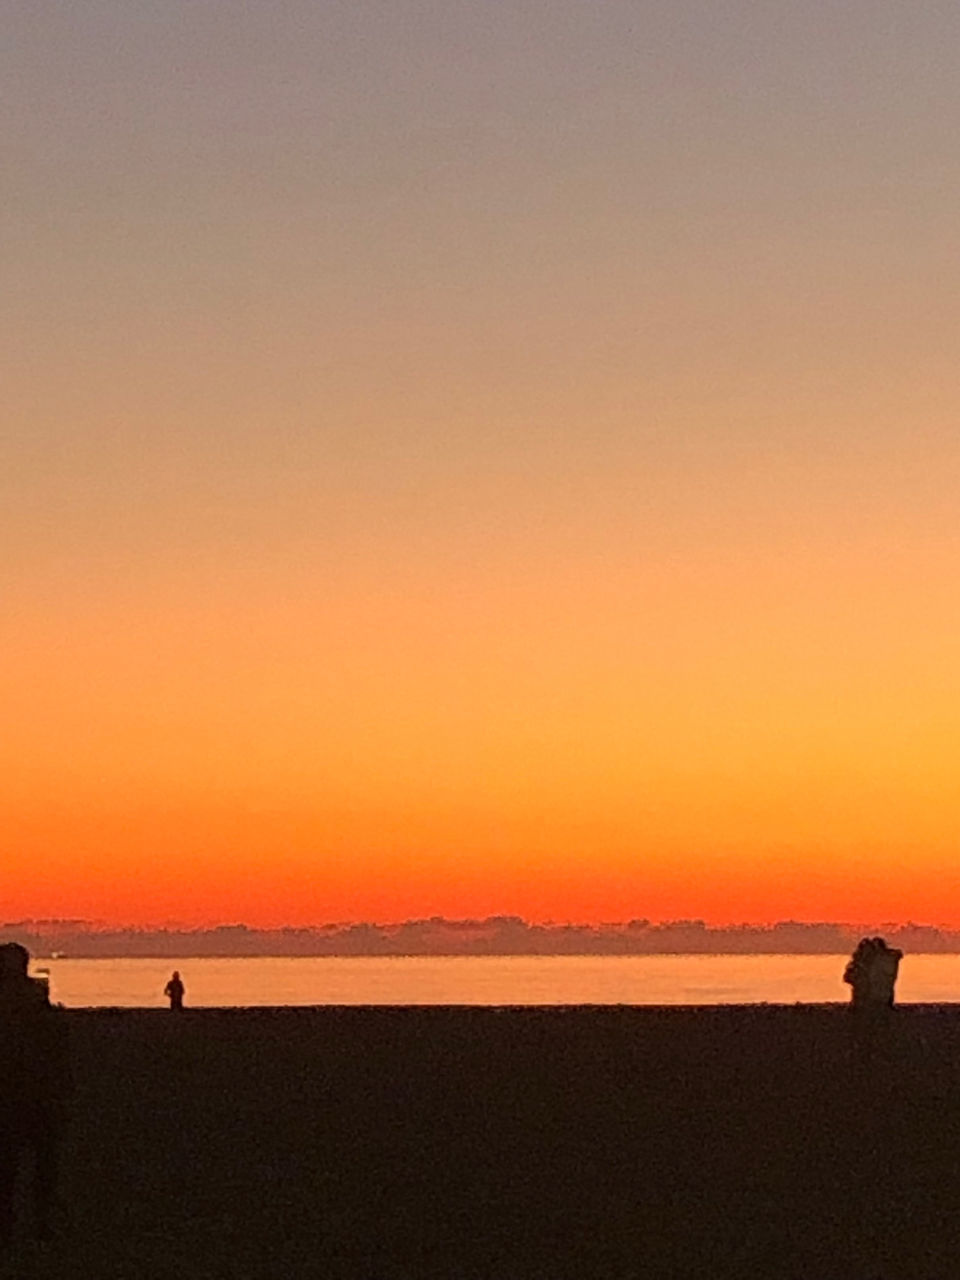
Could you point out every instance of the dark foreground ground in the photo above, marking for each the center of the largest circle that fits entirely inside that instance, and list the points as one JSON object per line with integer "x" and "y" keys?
{"x": 520, "y": 1143}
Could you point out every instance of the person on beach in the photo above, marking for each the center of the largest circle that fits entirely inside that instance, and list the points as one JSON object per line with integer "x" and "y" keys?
{"x": 884, "y": 969}
{"x": 174, "y": 991}
{"x": 33, "y": 1076}
{"x": 857, "y": 973}
{"x": 871, "y": 975}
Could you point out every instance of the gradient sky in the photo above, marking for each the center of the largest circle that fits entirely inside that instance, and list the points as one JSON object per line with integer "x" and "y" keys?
{"x": 464, "y": 457}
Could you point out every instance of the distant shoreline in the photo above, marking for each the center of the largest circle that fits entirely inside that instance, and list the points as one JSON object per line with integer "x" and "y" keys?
{"x": 61, "y": 957}
{"x": 493, "y": 936}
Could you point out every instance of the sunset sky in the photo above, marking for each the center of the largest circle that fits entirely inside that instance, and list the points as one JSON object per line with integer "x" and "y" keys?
{"x": 466, "y": 457}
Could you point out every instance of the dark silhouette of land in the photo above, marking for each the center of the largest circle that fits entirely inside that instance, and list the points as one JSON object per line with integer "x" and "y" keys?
{"x": 505, "y": 1144}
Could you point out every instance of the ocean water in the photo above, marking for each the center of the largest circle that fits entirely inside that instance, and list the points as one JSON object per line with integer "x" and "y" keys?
{"x": 486, "y": 980}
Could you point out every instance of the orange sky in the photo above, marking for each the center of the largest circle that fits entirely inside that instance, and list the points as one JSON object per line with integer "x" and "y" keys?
{"x": 454, "y": 468}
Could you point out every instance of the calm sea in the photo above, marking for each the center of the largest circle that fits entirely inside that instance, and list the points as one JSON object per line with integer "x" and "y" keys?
{"x": 487, "y": 980}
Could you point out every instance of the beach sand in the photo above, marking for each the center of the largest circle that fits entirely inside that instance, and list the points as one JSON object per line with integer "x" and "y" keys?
{"x": 608, "y": 1142}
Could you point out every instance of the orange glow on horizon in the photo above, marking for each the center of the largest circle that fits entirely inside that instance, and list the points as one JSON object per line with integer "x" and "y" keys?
{"x": 733, "y": 744}
{"x": 467, "y": 466}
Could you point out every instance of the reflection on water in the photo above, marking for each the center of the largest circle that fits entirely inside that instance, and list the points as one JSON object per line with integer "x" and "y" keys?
{"x": 486, "y": 980}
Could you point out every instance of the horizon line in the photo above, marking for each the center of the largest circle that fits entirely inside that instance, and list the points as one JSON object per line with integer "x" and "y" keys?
{"x": 637, "y": 923}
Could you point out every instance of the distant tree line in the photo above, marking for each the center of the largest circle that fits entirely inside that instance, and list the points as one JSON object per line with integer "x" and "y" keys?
{"x": 492, "y": 936}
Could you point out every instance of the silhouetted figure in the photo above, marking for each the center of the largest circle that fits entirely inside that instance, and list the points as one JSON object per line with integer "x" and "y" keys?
{"x": 857, "y": 973}
{"x": 884, "y": 968}
{"x": 174, "y": 991}
{"x": 872, "y": 975}
{"x": 33, "y": 1082}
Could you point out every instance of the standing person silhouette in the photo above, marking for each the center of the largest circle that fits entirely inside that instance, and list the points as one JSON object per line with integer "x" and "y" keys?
{"x": 857, "y": 973}
{"x": 174, "y": 991}
{"x": 33, "y": 1071}
{"x": 884, "y": 968}
{"x": 872, "y": 975}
